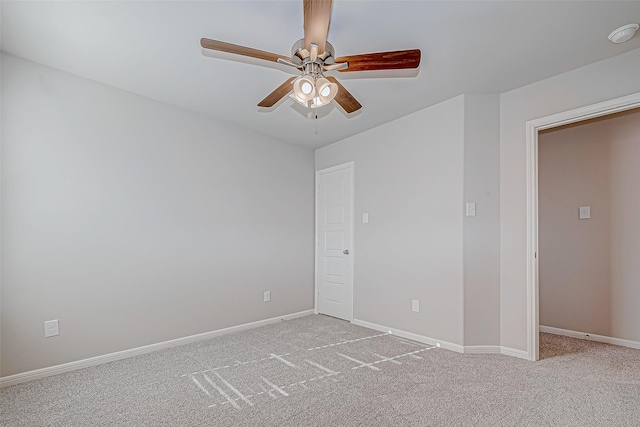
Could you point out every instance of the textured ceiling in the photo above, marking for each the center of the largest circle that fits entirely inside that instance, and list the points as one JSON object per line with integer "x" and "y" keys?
{"x": 152, "y": 48}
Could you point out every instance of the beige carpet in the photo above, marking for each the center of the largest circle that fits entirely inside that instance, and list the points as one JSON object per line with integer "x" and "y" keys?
{"x": 319, "y": 371}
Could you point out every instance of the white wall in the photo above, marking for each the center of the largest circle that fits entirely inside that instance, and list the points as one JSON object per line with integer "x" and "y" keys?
{"x": 598, "y": 82}
{"x": 409, "y": 178}
{"x": 134, "y": 222}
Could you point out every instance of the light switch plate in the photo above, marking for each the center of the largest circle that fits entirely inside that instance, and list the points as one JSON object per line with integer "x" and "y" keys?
{"x": 415, "y": 305}
{"x": 471, "y": 209}
{"x": 365, "y": 218}
{"x": 585, "y": 212}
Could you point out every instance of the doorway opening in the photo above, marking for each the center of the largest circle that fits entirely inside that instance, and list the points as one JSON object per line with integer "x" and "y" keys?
{"x": 533, "y": 128}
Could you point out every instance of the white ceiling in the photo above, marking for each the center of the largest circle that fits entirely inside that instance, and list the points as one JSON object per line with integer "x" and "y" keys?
{"x": 152, "y": 48}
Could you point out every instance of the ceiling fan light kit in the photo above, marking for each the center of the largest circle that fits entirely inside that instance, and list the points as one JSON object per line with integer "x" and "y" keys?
{"x": 312, "y": 89}
{"x": 313, "y": 56}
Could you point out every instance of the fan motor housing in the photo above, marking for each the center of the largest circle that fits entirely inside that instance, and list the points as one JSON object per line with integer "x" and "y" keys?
{"x": 300, "y": 55}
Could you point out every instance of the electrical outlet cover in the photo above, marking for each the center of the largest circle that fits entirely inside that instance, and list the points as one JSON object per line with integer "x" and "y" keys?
{"x": 51, "y": 328}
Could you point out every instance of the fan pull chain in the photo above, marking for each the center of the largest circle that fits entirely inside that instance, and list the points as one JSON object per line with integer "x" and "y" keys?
{"x": 316, "y": 122}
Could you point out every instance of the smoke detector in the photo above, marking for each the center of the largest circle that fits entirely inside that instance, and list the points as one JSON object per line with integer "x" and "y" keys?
{"x": 624, "y": 33}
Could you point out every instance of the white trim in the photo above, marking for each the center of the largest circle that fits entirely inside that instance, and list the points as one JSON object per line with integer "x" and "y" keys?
{"x": 591, "y": 337}
{"x": 352, "y": 166}
{"x": 495, "y": 349}
{"x": 482, "y": 349}
{"x": 514, "y": 353}
{"x": 411, "y": 336}
{"x": 532, "y": 128}
{"x": 532, "y": 242}
{"x": 111, "y": 357}
{"x": 470, "y": 349}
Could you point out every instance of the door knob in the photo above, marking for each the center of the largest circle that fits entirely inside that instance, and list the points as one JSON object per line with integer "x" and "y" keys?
{"x": 346, "y": 252}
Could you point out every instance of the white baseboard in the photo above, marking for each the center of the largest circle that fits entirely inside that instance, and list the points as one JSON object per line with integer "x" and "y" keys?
{"x": 470, "y": 349}
{"x": 495, "y": 349}
{"x": 482, "y": 349}
{"x": 522, "y": 354}
{"x": 111, "y": 357}
{"x": 590, "y": 337}
{"x": 411, "y": 336}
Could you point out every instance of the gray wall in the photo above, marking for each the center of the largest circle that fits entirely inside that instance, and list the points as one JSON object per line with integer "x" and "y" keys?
{"x": 574, "y": 261}
{"x": 412, "y": 176}
{"x": 1, "y": 198}
{"x": 588, "y": 268}
{"x": 134, "y": 222}
{"x": 120, "y": 213}
{"x": 482, "y": 232}
{"x": 625, "y": 232}
{"x": 409, "y": 178}
{"x": 598, "y": 82}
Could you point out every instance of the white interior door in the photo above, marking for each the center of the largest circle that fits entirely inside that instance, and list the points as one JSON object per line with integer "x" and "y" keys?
{"x": 334, "y": 232}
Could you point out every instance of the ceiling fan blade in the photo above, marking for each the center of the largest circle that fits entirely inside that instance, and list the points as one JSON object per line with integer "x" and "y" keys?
{"x": 275, "y": 96}
{"x": 344, "y": 98}
{"x": 334, "y": 67}
{"x": 240, "y": 50}
{"x": 317, "y": 14}
{"x": 396, "y": 60}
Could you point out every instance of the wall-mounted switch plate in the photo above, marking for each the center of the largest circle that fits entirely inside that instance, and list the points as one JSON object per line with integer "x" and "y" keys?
{"x": 365, "y": 218}
{"x": 51, "y": 328}
{"x": 471, "y": 209}
{"x": 267, "y": 296}
{"x": 585, "y": 212}
{"x": 415, "y": 305}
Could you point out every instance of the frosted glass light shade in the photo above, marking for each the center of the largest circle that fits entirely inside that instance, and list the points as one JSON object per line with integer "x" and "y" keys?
{"x": 304, "y": 88}
{"x": 300, "y": 101}
{"x": 326, "y": 90}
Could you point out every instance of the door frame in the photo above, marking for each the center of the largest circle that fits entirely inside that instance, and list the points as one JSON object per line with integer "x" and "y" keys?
{"x": 533, "y": 127}
{"x": 351, "y": 166}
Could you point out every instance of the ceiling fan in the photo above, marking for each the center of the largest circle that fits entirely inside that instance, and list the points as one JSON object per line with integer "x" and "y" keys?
{"x": 313, "y": 56}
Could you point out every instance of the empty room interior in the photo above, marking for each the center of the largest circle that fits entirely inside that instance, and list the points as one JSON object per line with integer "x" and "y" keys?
{"x": 316, "y": 213}
{"x": 588, "y": 276}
